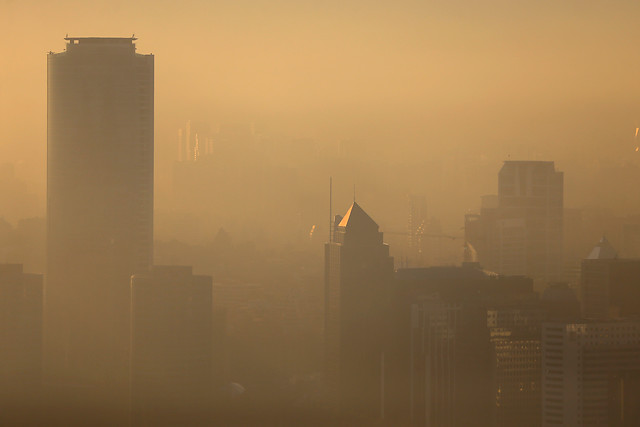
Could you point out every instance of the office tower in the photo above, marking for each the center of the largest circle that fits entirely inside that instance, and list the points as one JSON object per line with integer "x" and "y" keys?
{"x": 523, "y": 234}
{"x": 358, "y": 274}
{"x": 608, "y": 284}
{"x": 20, "y": 342}
{"x": 171, "y": 347}
{"x": 432, "y": 362}
{"x": 99, "y": 208}
{"x": 530, "y": 202}
{"x": 516, "y": 354}
{"x": 441, "y": 317}
{"x": 591, "y": 374}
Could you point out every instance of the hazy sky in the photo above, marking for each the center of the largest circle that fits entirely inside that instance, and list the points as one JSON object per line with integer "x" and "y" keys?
{"x": 419, "y": 72}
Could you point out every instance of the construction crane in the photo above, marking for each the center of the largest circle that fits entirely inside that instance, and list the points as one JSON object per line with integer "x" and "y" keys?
{"x": 443, "y": 236}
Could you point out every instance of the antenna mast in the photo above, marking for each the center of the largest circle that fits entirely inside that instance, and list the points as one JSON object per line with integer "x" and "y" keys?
{"x": 330, "y": 210}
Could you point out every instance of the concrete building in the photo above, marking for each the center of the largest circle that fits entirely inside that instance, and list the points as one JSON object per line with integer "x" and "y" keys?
{"x": 358, "y": 276}
{"x": 591, "y": 374}
{"x": 522, "y": 234}
{"x": 444, "y": 316}
{"x": 609, "y": 286}
{"x": 432, "y": 362}
{"x": 20, "y": 342}
{"x": 172, "y": 330}
{"x": 515, "y": 339}
{"x": 100, "y": 157}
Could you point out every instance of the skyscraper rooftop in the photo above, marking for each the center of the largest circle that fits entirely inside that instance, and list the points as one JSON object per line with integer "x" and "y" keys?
{"x": 357, "y": 217}
{"x": 603, "y": 250}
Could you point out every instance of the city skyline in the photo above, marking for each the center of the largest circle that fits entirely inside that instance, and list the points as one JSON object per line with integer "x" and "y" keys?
{"x": 187, "y": 204}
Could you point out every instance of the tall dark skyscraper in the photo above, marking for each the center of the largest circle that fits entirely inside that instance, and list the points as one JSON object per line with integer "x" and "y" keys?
{"x": 358, "y": 274}
{"x": 99, "y": 206}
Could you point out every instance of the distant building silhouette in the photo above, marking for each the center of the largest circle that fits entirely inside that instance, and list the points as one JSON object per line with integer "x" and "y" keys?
{"x": 609, "y": 285}
{"x": 522, "y": 234}
{"x": 99, "y": 208}
{"x": 20, "y": 341}
{"x": 171, "y": 347}
{"x": 358, "y": 276}
{"x": 591, "y": 374}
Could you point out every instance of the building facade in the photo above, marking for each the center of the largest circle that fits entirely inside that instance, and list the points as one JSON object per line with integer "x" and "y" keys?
{"x": 609, "y": 285}
{"x": 20, "y": 342}
{"x": 590, "y": 373}
{"x": 100, "y": 114}
{"x": 446, "y": 330}
{"x": 522, "y": 233}
{"x": 358, "y": 274}
{"x": 517, "y": 351}
{"x": 172, "y": 331}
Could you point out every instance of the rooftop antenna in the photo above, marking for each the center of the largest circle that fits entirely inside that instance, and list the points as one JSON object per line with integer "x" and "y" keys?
{"x": 354, "y": 193}
{"x": 330, "y": 210}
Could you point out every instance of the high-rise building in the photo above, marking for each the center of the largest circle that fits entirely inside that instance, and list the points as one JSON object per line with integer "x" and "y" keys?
{"x": 590, "y": 373}
{"x": 432, "y": 362}
{"x": 442, "y": 332}
{"x": 523, "y": 234}
{"x": 608, "y": 284}
{"x": 172, "y": 345}
{"x": 99, "y": 207}
{"x": 515, "y": 339}
{"x": 20, "y": 342}
{"x": 358, "y": 274}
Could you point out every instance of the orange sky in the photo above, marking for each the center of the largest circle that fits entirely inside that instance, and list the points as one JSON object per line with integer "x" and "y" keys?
{"x": 341, "y": 68}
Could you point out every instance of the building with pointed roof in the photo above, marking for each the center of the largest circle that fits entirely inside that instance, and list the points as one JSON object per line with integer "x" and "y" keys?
{"x": 358, "y": 276}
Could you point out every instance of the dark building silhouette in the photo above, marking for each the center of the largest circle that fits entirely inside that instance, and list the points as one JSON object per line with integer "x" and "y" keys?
{"x": 443, "y": 317}
{"x": 20, "y": 342}
{"x": 172, "y": 331}
{"x": 432, "y": 362}
{"x": 99, "y": 210}
{"x": 517, "y": 350}
{"x": 610, "y": 286}
{"x": 560, "y": 303}
{"x": 358, "y": 276}
{"x": 522, "y": 233}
